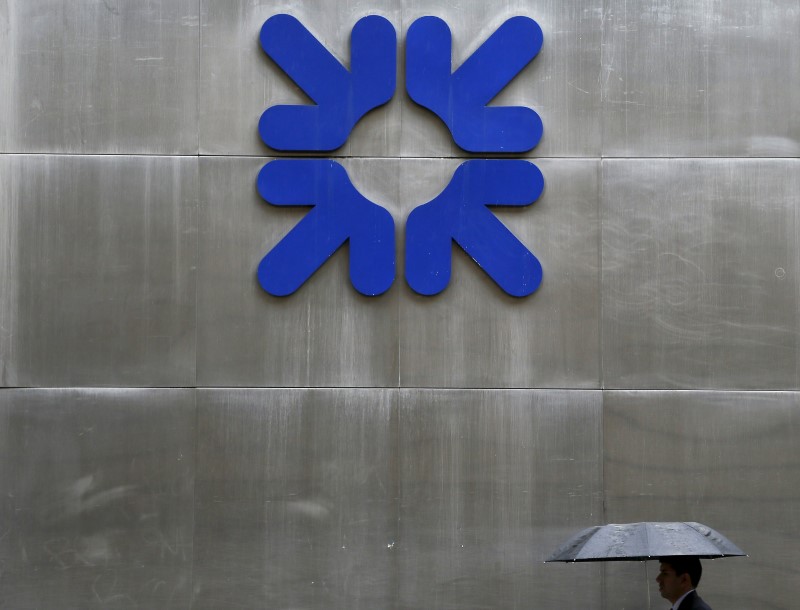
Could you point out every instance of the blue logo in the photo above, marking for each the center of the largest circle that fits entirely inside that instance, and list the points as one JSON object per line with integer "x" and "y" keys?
{"x": 458, "y": 214}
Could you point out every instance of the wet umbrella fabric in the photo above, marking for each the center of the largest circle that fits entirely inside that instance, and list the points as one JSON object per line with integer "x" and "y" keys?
{"x": 648, "y": 540}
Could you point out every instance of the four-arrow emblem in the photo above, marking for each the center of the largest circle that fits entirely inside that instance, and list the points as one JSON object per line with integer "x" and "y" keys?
{"x": 342, "y": 97}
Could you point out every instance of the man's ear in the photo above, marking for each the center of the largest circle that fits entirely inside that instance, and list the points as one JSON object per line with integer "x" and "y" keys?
{"x": 685, "y": 580}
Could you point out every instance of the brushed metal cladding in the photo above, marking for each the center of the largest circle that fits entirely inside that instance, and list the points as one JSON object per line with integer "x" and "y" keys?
{"x": 491, "y": 483}
{"x": 99, "y": 271}
{"x": 238, "y": 82}
{"x": 96, "y": 509}
{"x": 688, "y": 78}
{"x": 83, "y": 76}
{"x": 474, "y": 335}
{"x": 727, "y": 459}
{"x": 326, "y": 333}
{"x": 700, "y": 274}
{"x": 9, "y": 313}
{"x": 295, "y": 499}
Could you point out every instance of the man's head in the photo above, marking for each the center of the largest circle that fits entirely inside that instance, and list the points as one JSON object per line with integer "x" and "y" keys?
{"x": 678, "y": 575}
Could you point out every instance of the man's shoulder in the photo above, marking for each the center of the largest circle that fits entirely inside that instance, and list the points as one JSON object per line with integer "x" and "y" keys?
{"x": 694, "y": 602}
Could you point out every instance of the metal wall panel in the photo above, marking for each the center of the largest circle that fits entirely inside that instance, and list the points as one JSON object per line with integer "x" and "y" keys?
{"x": 96, "y": 503}
{"x": 491, "y": 483}
{"x": 346, "y": 498}
{"x": 689, "y": 78}
{"x": 727, "y": 459}
{"x": 473, "y": 334}
{"x": 238, "y": 82}
{"x": 325, "y": 334}
{"x": 700, "y": 285}
{"x": 295, "y": 499}
{"x": 9, "y": 315}
{"x": 85, "y": 76}
{"x": 367, "y": 485}
{"x": 99, "y": 272}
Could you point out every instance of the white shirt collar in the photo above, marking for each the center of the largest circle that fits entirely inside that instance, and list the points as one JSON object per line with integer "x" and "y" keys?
{"x": 679, "y": 600}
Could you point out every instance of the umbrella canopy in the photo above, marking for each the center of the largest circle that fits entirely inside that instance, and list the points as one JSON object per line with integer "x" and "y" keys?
{"x": 648, "y": 540}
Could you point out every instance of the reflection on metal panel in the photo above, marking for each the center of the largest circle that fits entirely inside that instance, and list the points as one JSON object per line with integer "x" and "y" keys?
{"x": 728, "y": 458}
{"x": 295, "y": 499}
{"x": 700, "y": 288}
{"x": 474, "y": 335}
{"x": 96, "y": 508}
{"x": 688, "y": 78}
{"x": 99, "y": 77}
{"x": 238, "y": 82}
{"x": 102, "y": 270}
{"x": 491, "y": 482}
{"x": 326, "y": 334}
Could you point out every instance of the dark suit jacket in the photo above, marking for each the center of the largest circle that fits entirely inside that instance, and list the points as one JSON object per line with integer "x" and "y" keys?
{"x": 693, "y": 602}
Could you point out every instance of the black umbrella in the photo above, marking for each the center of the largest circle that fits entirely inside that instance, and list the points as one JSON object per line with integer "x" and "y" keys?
{"x": 648, "y": 540}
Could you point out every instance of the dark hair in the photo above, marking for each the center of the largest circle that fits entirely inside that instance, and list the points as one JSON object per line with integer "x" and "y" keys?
{"x": 685, "y": 565}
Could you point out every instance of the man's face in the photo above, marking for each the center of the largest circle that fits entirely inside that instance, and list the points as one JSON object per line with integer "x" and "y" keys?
{"x": 670, "y": 585}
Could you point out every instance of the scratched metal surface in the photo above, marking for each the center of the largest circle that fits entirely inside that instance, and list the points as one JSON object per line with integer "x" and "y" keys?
{"x": 238, "y": 81}
{"x": 688, "y": 78}
{"x": 491, "y": 483}
{"x": 377, "y": 498}
{"x": 727, "y": 459}
{"x": 96, "y": 503}
{"x": 99, "y": 270}
{"x": 99, "y": 76}
{"x": 296, "y": 499}
{"x": 700, "y": 286}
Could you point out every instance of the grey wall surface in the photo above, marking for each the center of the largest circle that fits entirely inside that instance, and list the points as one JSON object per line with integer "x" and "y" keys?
{"x": 171, "y": 436}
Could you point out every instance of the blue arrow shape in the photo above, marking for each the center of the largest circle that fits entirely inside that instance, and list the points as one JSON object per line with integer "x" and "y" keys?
{"x": 342, "y": 97}
{"x": 339, "y": 213}
{"x": 460, "y": 99}
{"x": 459, "y": 214}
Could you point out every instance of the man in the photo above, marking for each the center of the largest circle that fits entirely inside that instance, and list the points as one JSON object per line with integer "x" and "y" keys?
{"x": 677, "y": 580}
